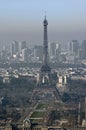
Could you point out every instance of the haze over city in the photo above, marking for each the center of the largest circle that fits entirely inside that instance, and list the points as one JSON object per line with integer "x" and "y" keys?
{"x": 43, "y": 65}
{"x": 22, "y": 20}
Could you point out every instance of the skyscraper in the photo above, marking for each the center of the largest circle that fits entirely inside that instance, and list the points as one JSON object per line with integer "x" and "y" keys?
{"x": 55, "y": 51}
{"x": 52, "y": 50}
{"x": 22, "y": 45}
{"x": 38, "y": 52}
{"x": 14, "y": 48}
{"x": 83, "y": 50}
{"x": 74, "y": 48}
{"x": 58, "y": 52}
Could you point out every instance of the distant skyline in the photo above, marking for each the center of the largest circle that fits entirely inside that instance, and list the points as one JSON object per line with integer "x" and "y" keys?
{"x": 23, "y": 20}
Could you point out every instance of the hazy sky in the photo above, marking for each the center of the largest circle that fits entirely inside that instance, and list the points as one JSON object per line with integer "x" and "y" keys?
{"x": 23, "y": 20}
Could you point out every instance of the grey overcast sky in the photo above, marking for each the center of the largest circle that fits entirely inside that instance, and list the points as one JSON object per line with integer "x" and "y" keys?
{"x": 23, "y": 20}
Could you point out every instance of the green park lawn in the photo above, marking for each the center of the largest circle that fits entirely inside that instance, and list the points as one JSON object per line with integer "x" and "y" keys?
{"x": 37, "y": 114}
{"x": 42, "y": 105}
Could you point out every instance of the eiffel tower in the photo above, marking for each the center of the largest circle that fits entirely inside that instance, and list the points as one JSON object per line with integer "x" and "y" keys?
{"x": 45, "y": 74}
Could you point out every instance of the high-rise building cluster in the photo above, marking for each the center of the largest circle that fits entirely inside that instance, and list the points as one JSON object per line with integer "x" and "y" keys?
{"x": 20, "y": 52}
{"x": 76, "y": 51}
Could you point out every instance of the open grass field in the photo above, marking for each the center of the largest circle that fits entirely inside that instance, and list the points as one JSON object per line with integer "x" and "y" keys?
{"x": 37, "y": 114}
{"x": 42, "y": 106}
